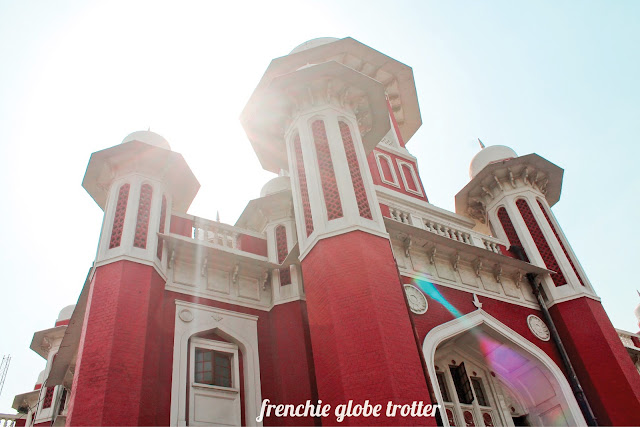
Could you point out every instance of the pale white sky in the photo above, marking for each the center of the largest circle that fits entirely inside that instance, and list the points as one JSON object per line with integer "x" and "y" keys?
{"x": 555, "y": 78}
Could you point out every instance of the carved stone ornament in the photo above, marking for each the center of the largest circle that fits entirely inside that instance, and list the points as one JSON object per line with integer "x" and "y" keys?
{"x": 186, "y": 315}
{"x": 417, "y": 301}
{"x": 538, "y": 327}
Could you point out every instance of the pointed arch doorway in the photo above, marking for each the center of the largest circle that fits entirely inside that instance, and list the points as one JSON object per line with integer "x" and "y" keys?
{"x": 485, "y": 374}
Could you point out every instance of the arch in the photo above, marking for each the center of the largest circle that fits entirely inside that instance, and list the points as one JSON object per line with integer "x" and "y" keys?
{"x": 144, "y": 212}
{"x": 302, "y": 183}
{"x": 192, "y": 319}
{"x": 119, "y": 215}
{"x": 480, "y": 318}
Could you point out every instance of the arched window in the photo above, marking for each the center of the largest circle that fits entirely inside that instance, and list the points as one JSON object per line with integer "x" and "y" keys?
{"x": 354, "y": 169}
{"x": 118, "y": 218}
{"x": 283, "y": 251}
{"x": 327, "y": 174}
{"x": 302, "y": 180}
{"x": 564, "y": 249}
{"x": 510, "y": 230}
{"x": 385, "y": 168}
{"x": 142, "y": 222}
{"x": 541, "y": 243}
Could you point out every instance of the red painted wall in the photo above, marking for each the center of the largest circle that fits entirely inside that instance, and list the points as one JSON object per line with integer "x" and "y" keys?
{"x": 252, "y": 244}
{"x": 360, "y": 328}
{"x": 116, "y": 348}
{"x": 181, "y": 226}
{"x": 603, "y": 366}
{"x": 512, "y": 315}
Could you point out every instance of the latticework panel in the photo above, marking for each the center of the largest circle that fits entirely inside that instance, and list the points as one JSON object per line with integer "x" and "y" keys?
{"x": 327, "y": 174}
{"x": 541, "y": 243}
{"x": 354, "y": 168}
{"x": 304, "y": 192}
{"x": 142, "y": 222}
{"x": 510, "y": 230}
{"x": 283, "y": 251}
{"x": 118, "y": 219}
{"x": 544, "y": 211}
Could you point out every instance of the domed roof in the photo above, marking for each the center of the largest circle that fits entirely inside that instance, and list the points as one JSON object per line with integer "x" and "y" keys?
{"x": 637, "y": 313}
{"x": 276, "y": 185}
{"x": 488, "y": 155}
{"x": 310, "y": 44}
{"x": 148, "y": 137}
{"x": 66, "y": 313}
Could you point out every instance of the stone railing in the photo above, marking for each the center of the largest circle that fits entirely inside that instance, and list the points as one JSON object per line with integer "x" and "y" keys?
{"x": 460, "y": 234}
{"x": 216, "y": 232}
{"x": 8, "y": 420}
{"x": 626, "y": 338}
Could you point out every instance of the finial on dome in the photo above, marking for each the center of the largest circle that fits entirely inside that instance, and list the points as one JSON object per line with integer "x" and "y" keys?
{"x": 217, "y": 216}
{"x": 481, "y": 144}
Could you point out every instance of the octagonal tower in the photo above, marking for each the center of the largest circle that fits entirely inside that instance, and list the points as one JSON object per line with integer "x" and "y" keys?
{"x": 318, "y": 112}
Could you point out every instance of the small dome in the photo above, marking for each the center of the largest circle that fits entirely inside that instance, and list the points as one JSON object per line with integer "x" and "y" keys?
{"x": 637, "y": 313}
{"x": 148, "y": 137}
{"x": 276, "y": 185}
{"x": 66, "y": 313}
{"x": 489, "y": 155}
{"x": 310, "y": 44}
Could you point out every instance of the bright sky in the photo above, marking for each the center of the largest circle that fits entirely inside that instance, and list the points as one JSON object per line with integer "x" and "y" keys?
{"x": 556, "y": 78}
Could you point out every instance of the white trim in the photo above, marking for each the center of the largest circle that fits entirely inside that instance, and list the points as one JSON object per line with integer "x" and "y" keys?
{"x": 209, "y": 391}
{"x": 414, "y": 176}
{"x": 479, "y": 317}
{"x": 239, "y": 327}
{"x": 395, "y": 182}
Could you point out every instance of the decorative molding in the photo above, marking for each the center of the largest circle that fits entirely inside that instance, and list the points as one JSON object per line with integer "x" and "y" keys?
{"x": 476, "y": 301}
{"x": 416, "y": 299}
{"x": 538, "y": 327}
{"x": 185, "y": 315}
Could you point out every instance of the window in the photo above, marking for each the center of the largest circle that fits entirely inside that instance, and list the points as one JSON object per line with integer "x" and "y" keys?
{"x": 213, "y": 367}
{"x": 385, "y": 168}
{"x": 409, "y": 177}
{"x": 461, "y": 383}
{"x": 443, "y": 387}
{"x": 48, "y": 397}
{"x": 478, "y": 389}
{"x": 118, "y": 219}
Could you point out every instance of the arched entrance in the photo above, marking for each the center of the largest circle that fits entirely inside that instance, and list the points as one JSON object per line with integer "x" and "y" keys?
{"x": 485, "y": 374}
{"x": 205, "y": 336}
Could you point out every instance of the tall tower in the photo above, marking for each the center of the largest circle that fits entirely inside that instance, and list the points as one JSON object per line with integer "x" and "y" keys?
{"x": 513, "y": 196}
{"x": 138, "y": 184}
{"x": 318, "y": 112}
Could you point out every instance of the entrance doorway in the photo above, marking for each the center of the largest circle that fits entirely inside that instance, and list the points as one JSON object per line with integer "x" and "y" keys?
{"x": 485, "y": 374}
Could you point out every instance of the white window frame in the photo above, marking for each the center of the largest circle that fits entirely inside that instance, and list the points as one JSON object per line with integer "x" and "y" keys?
{"x": 413, "y": 175}
{"x": 221, "y": 347}
{"x": 381, "y": 171}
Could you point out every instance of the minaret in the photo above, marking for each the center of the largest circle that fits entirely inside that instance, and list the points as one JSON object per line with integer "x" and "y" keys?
{"x": 317, "y": 113}
{"x": 513, "y": 196}
{"x": 137, "y": 184}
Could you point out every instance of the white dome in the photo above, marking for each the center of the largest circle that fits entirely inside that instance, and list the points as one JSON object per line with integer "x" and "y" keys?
{"x": 310, "y": 44}
{"x": 489, "y": 155}
{"x": 276, "y": 185}
{"x": 637, "y": 313}
{"x": 66, "y": 313}
{"x": 148, "y": 137}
